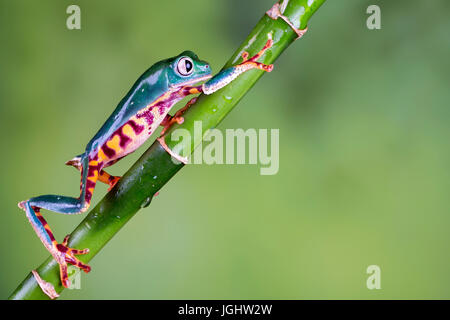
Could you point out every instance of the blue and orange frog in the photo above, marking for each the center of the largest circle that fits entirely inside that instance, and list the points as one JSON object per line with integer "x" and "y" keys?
{"x": 145, "y": 107}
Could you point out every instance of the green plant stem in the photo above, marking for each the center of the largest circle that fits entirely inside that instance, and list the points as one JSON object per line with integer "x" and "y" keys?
{"x": 138, "y": 186}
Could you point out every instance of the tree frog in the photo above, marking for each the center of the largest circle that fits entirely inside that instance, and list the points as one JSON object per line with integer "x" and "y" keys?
{"x": 137, "y": 116}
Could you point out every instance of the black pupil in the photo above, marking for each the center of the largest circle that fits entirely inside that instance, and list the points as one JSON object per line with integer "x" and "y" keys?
{"x": 188, "y": 65}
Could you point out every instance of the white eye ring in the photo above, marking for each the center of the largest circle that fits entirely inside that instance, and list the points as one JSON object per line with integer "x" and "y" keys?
{"x": 185, "y": 66}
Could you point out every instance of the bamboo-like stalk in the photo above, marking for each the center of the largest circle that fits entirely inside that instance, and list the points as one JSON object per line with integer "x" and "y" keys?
{"x": 137, "y": 187}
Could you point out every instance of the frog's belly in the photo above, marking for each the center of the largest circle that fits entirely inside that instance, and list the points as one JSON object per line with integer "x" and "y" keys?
{"x": 131, "y": 135}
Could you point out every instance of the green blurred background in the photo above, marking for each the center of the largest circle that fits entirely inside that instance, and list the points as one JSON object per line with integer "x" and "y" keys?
{"x": 364, "y": 158}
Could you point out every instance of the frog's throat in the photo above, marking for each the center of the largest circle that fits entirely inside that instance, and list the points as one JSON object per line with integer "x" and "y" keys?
{"x": 191, "y": 82}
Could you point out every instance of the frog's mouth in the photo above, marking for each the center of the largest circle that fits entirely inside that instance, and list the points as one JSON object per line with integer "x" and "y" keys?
{"x": 193, "y": 81}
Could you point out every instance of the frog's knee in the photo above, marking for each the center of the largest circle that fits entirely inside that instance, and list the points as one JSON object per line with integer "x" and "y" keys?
{"x": 22, "y": 204}
{"x": 75, "y": 162}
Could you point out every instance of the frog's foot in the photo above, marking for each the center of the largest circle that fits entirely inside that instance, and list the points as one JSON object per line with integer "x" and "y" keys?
{"x": 46, "y": 287}
{"x": 275, "y": 13}
{"x": 252, "y": 63}
{"x": 108, "y": 179}
{"x": 63, "y": 255}
{"x": 113, "y": 182}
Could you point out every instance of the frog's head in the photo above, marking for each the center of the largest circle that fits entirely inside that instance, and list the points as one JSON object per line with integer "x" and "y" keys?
{"x": 187, "y": 69}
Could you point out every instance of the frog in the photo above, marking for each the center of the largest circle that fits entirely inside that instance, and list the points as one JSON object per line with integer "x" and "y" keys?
{"x": 137, "y": 116}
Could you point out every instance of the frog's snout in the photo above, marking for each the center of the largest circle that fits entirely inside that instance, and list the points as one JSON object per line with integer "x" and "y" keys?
{"x": 205, "y": 68}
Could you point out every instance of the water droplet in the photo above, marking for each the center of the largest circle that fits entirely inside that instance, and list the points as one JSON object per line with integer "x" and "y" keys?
{"x": 146, "y": 202}
{"x": 227, "y": 98}
{"x": 154, "y": 177}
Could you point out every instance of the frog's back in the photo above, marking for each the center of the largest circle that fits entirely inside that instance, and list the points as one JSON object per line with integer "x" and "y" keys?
{"x": 146, "y": 89}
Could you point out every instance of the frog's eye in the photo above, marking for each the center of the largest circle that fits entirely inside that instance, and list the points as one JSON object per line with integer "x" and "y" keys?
{"x": 185, "y": 66}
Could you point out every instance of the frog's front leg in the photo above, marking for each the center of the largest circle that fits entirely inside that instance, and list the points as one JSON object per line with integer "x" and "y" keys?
{"x": 66, "y": 205}
{"x": 177, "y": 117}
{"x": 224, "y": 77}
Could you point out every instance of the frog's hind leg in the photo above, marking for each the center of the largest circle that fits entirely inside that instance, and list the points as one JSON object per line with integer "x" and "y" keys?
{"x": 66, "y": 205}
{"x": 60, "y": 251}
{"x": 103, "y": 176}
